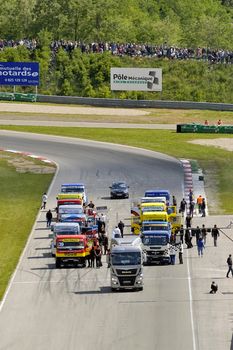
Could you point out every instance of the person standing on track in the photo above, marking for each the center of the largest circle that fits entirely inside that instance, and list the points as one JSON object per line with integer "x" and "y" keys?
{"x": 44, "y": 200}
{"x": 172, "y": 251}
{"x": 121, "y": 226}
{"x": 92, "y": 256}
{"x": 203, "y": 208}
{"x": 49, "y": 217}
{"x": 183, "y": 205}
{"x": 199, "y": 203}
{"x": 215, "y": 234}
{"x": 188, "y": 221}
{"x": 204, "y": 233}
{"x": 229, "y": 263}
{"x": 191, "y": 208}
{"x": 197, "y": 234}
{"x": 181, "y": 251}
{"x": 98, "y": 257}
{"x": 200, "y": 246}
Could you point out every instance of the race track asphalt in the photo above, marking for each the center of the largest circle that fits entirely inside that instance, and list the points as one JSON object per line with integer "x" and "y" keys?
{"x": 47, "y": 308}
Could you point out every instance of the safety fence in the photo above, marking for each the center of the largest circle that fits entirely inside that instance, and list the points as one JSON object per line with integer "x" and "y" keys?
{"x": 207, "y": 129}
{"x": 118, "y": 103}
{"x": 10, "y": 96}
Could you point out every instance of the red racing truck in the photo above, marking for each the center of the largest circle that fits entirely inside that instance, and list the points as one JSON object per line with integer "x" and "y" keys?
{"x": 72, "y": 249}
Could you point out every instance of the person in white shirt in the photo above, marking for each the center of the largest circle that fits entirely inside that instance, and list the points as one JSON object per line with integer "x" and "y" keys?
{"x": 44, "y": 200}
{"x": 181, "y": 251}
{"x": 172, "y": 251}
{"x": 116, "y": 233}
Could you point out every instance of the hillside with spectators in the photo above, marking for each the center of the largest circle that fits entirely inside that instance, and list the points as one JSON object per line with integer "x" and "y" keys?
{"x": 180, "y": 23}
{"x": 77, "y": 42}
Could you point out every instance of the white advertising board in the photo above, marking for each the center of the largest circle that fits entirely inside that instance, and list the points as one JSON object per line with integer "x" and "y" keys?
{"x": 136, "y": 79}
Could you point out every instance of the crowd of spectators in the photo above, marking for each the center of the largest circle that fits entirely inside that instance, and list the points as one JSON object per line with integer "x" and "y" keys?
{"x": 130, "y": 49}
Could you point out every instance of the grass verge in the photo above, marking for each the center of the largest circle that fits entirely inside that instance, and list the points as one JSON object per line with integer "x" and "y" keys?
{"x": 19, "y": 205}
{"x": 155, "y": 116}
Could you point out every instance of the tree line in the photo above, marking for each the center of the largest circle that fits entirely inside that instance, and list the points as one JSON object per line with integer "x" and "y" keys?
{"x": 188, "y": 23}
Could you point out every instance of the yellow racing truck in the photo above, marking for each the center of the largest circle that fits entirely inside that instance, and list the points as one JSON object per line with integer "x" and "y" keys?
{"x": 154, "y": 212}
{"x": 137, "y": 220}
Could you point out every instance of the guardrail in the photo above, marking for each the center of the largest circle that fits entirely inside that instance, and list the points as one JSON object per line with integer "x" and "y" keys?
{"x": 206, "y": 129}
{"x": 109, "y": 102}
{"x": 17, "y": 96}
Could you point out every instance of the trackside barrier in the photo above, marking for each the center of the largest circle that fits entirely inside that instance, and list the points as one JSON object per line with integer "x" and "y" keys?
{"x": 10, "y": 96}
{"x": 121, "y": 103}
{"x": 7, "y": 96}
{"x": 25, "y": 97}
{"x": 207, "y": 129}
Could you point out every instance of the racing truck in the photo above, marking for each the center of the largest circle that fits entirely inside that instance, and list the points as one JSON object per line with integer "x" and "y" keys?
{"x": 78, "y": 188}
{"x": 126, "y": 263}
{"x": 155, "y": 244}
{"x": 72, "y": 249}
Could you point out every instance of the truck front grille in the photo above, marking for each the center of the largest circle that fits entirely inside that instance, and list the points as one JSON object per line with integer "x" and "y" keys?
{"x": 126, "y": 272}
{"x": 127, "y": 281}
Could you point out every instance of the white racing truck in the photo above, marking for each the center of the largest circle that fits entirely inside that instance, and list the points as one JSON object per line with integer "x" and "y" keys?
{"x": 126, "y": 264}
{"x": 155, "y": 236}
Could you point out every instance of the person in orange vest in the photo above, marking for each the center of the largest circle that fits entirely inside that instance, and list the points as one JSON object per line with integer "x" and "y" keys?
{"x": 199, "y": 203}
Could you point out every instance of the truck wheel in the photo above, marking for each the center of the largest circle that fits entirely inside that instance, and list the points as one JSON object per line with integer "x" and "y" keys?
{"x": 58, "y": 263}
{"x": 140, "y": 288}
{"x": 84, "y": 263}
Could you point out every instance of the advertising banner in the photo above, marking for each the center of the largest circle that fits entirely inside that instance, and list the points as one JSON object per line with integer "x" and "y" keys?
{"x": 19, "y": 73}
{"x": 136, "y": 79}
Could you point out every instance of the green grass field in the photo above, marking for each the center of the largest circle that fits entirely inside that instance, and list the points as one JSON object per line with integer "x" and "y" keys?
{"x": 20, "y": 201}
{"x": 155, "y": 116}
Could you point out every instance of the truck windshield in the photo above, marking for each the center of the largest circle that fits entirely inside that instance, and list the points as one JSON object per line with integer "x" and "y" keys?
{"x": 70, "y": 189}
{"x": 127, "y": 258}
{"x": 153, "y": 208}
{"x": 154, "y": 240}
{"x": 70, "y": 245}
{"x": 70, "y": 210}
{"x": 66, "y": 232}
{"x": 151, "y": 227}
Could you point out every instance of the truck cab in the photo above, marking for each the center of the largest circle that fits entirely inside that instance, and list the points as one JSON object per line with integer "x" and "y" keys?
{"x": 153, "y": 200}
{"x": 154, "y": 206}
{"x": 67, "y": 228}
{"x": 137, "y": 221}
{"x": 78, "y": 188}
{"x": 71, "y": 249}
{"x": 80, "y": 218}
{"x": 69, "y": 209}
{"x": 126, "y": 263}
{"x": 70, "y": 196}
{"x": 159, "y": 193}
{"x": 156, "y": 226}
{"x": 155, "y": 245}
